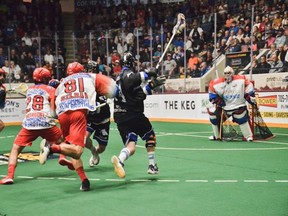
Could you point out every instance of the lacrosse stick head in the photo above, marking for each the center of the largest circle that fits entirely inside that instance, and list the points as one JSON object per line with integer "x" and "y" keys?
{"x": 180, "y": 25}
{"x": 21, "y": 88}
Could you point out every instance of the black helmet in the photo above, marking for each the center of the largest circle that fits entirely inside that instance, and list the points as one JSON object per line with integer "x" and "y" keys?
{"x": 128, "y": 60}
{"x": 92, "y": 66}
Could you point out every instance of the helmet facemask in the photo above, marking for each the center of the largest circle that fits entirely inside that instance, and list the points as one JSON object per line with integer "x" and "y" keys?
{"x": 228, "y": 74}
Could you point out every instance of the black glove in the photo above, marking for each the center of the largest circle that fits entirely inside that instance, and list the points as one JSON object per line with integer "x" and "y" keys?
{"x": 155, "y": 82}
{"x": 152, "y": 72}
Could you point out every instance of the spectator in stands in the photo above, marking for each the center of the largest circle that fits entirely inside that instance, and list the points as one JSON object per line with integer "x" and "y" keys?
{"x": 282, "y": 53}
{"x": 203, "y": 68}
{"x": 16, "y": 71}
{"x": 9, "y": 76}
{"x": 27, "y": 39}
{"x": 194, "y": 71}
{"x": 196, "y": 35}
{"x": 260, "y": 42}
{"x": 170, "y": 67}
{"x": 272, "y": 50}
{"x": 234, "y": 46}
{"x": 14, "y": 57}
{"x": 263, "y": 66}
{"x": 234, "y": 27}
{"x": 48, "y": 57}
{"x": 144, "y": 55}
{"x": 156, "y": 42}
{"x": 193, "y": 60}
{"x": 157, "y": 54}
{"x": 38, "y": 58}
{"x": 116, "y": 69}
{"x": 29, "y": 64}
{"x": 276, "y": 64}
{"x": 280, "y": 38}
{"x": 270, "y": 39}
{"x": 171, "y": 47}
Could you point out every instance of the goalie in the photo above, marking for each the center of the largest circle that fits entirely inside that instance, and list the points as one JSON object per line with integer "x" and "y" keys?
{"x": 229, "y": 94}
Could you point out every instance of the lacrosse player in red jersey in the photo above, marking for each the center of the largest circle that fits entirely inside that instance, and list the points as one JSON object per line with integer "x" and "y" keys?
{"x": 76, "y": 95}
{"x": 39, "y": 119}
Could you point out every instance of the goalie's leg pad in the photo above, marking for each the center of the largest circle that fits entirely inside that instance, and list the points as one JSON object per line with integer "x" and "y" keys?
{"x": 240, "y": 116}
{"x": 246, "y": 131}
{"x": 131, "y": 137}
{"x": 215, "y": 116}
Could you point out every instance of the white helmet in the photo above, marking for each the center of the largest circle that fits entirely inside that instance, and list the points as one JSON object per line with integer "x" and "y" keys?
{"x": 228, "y": 74}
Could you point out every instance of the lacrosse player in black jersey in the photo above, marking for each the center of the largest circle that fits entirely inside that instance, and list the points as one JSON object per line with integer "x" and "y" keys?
{"x": 129, "y": 113}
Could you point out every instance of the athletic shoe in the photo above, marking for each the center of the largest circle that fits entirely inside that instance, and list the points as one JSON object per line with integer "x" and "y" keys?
{"x": 249, "y": 139}
{"x": 64, "y": 162}
{"x": 94, "y": 159}
{"x": 153, "y": 169}
{"x": 6, "y": 181}
{"x": 213, "y": 138}
{"x": 118, "y": 167}
{"x": 44, "y": 151}
{"x": 85, "y": 186}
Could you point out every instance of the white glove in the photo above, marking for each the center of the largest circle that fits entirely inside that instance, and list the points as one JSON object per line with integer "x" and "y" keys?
{"x": 253, "y": 100}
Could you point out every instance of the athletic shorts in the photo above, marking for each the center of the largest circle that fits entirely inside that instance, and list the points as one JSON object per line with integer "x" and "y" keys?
{"x": 73, "y": 126}
{"x": 139, "y": 125}
{"x": 101, "y": 132}
{"x": 26, "y": 137}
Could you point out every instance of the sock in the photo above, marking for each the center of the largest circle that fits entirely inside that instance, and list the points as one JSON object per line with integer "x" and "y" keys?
{"x": 61, "y": 156}
{"x": 151, "y": 158}
{"x": 81, "y": 173}
{"x": 11, "y": 170}
{"x": 56, "y": 148}
{"x": 124, "y": 154}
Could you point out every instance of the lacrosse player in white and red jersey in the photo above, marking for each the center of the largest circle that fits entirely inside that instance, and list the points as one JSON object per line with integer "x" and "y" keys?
{"x": 38, "y": 121}
{"x": 230, "y": 93}
{"x": 76, "y": 95}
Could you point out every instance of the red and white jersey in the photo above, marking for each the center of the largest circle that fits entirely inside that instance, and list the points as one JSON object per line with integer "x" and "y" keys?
{"x": 40, "y": 103}
{"x": 78, "y": 91}
{"x": 232, "y": 93}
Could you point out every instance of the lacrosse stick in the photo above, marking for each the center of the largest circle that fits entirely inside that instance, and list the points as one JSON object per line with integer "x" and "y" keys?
{"x": 108, "y": 101}
{"x": 178, "y": 28}
{"x": 20, "y": 89}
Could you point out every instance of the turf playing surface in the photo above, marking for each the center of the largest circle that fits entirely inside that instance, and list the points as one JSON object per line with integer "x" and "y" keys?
{"x": 197, "y": 177}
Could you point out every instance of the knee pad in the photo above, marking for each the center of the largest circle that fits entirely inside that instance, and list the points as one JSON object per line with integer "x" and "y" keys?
{"x": 240, "y": 116}
{"x": 132, "y": 137}
{"x": 151, "y": 141}
{"x": 214, "y": 117}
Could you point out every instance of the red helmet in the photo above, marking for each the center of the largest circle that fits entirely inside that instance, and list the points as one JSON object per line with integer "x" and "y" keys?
{"x": 40, "y": 74}
{"x": 2, "y": 72}
{"x": 74, "y": 67}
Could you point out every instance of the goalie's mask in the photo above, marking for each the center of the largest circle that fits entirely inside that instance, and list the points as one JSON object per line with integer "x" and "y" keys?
{"x": 128, "y": 60}
{"x": 228, "y": 74}
{"x": 92, "y": 67}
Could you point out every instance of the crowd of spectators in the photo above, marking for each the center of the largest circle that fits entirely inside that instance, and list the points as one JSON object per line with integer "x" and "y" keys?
{"x": 24, "y": 26}
{"x": 145, "y": 29}
{"x": 124, "y": 23}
